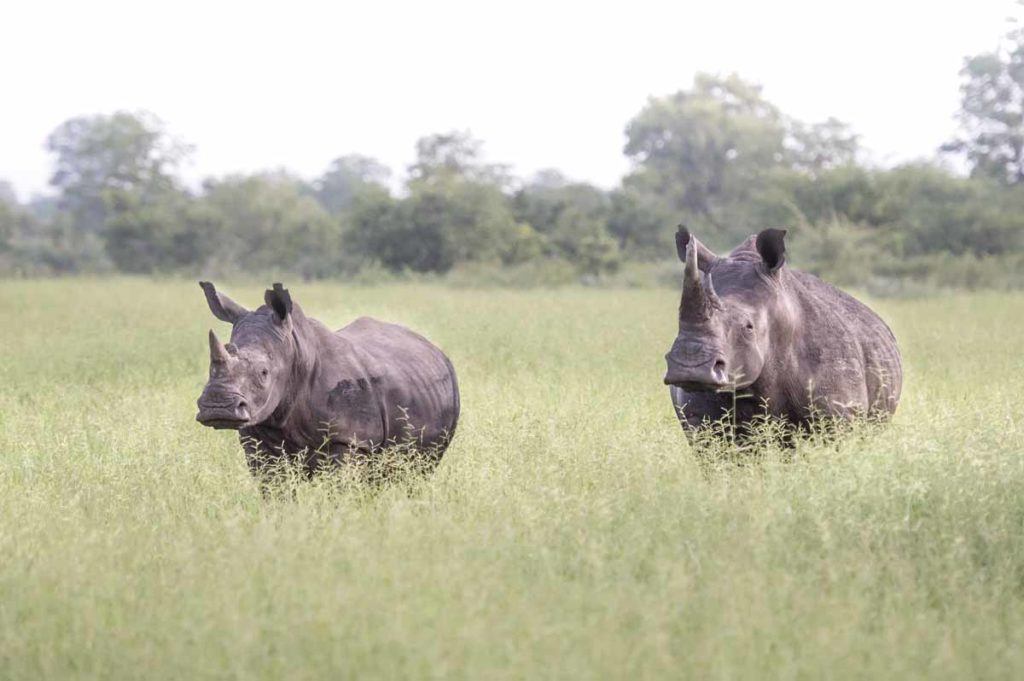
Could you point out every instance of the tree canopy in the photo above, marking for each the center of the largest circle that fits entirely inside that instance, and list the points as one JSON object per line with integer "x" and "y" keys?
{"x": 992, "y": 112}
{"x": 718, "y": 156}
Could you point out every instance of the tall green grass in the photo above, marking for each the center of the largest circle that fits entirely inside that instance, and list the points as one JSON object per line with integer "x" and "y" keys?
{"x": 569, "y": 532}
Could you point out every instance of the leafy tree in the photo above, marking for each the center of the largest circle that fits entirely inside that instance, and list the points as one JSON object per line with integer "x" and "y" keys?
{"x": 346, "y": 177}
{"x": 455, "y": 154}
{"x": 105, "y": 164}
{"x": 7, "y": 194}
{"x": 542, "y": 201}
{"x": 725, "y": 161}
{"x": 9, "y": 219}
{"x": 795, "y": 198}
{"x": 442, "y": 223}
{"x": 373, "y": 225}
{"x": 455, "y": 212}
{"x": 523, "y": 245}
{"x": 265, "y": 223}
{"x": 818, "y": 147}
{"x": 11, "y": 216}
{"x": 933, "y": 211}
{"x": 583, "y": 239}
{"x": 572, "y": 218}
{"x": 992, "y": 112}
{"x": 641, "y": 224}
{"x": 159, "y": 233}
{"x": 96, "y": 155}
{"x": 701, "y": 149}
{"x": 29, "y": 245}
{"x": 43, "y": 207}
{"x": 716, "y": 155}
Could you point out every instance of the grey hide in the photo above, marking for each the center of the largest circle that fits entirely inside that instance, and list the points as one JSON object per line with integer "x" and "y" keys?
{"x": 760, "y": 338}
{"x": 293, "y": 388}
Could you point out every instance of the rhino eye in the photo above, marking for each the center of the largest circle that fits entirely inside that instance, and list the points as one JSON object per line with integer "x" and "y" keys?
{"x": 750, "y": 326}
{"x": 264, "y": 372}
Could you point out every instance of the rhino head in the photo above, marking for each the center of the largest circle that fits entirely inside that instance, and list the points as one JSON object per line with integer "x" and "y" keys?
{"x": 730, "y": 306}
{"x": 250, "y": 375}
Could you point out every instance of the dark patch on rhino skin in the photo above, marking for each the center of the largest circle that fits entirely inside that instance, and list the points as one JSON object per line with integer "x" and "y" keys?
{"x": 354, "y": 403}
{"x": 269, "y": 382}
{"x": 345, "y": 394}
{"x": 348, "y": 393}
{"x": 797, "y": 349}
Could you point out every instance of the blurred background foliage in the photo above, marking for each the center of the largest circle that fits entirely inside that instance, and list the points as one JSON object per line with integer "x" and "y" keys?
{"x": 717, "y": 157}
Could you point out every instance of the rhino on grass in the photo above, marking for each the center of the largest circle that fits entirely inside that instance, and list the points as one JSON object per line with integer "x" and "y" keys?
{"x": 758, "y": 338}
{"x": 297, "y": 391}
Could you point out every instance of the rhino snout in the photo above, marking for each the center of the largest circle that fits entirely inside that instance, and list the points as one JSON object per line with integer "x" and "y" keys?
{"x": 223, "y": 411}
{"x": 707, "y": 376}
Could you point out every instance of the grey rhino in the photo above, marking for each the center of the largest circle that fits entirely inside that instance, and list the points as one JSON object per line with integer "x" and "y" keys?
{"x": 758, "y": 338}
{"x": 294, "y": 389}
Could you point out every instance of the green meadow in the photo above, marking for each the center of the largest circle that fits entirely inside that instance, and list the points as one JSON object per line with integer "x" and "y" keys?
{"x": 569, "y": 532}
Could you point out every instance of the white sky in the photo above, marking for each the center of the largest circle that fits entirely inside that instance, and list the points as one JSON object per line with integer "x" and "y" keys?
{"x": 545, "y": 84}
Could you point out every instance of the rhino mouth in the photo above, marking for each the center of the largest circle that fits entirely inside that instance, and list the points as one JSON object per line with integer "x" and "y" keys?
{"x": 230, "y": 414}
{"x": 221, "y": 419}
{"x": 708, "y": 376}
{"x": 700, "y": 386}
{"x": 695, "y": 387}
{"x": 221, "y": 423}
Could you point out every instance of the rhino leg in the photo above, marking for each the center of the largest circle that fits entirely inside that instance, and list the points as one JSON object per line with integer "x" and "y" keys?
{"x": 735, "y": 417}
{"x": 267, "y": 457}
{"x": 697, "y": 411}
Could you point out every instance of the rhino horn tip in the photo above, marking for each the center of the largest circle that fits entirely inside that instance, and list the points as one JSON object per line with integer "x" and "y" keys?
{"x": 218, "y": 353}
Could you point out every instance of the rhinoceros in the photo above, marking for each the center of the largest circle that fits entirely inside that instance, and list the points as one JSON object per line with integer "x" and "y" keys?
{"x": 758, "y": 339}
{"x": 295, "y": 390}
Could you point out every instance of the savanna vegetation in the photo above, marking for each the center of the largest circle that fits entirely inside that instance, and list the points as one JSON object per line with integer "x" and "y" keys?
{"x": 569, "y": 532}
{"x": 717, "y": 156}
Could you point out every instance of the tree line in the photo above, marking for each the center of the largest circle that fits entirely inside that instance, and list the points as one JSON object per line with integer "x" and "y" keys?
{"x": 717, "y": 156}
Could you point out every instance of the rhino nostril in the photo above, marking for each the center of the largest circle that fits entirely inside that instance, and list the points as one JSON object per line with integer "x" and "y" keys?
{"x": 719, "y": 368}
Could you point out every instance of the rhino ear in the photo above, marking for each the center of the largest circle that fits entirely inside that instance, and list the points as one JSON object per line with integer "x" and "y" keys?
{"x": 771, "y": 246}
{"x": 279, "y": 300}
{"x": 682, "y": 241}
{"x": 222, "y": 307}
{"x": 705, "y": 256}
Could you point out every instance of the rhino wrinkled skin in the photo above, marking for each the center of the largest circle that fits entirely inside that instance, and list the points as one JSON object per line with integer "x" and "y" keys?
{"x": 758, "y": 338}
{"x": 293, "y": 388}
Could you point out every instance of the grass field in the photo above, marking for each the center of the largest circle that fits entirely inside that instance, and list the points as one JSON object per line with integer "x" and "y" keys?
{"x": 569, "y": 533}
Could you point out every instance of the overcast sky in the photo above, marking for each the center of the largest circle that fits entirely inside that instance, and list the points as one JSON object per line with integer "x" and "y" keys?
{"x": 545, "y": 84}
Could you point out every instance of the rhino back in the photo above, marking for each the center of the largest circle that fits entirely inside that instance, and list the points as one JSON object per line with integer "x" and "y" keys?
{"x": 389, "y": 384}
{"x": 847, "y": 357}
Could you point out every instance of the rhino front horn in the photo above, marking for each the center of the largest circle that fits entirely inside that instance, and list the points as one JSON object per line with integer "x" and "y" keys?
{"x": 692, "y": 272}
{"x": 218, "y": 353}
{"x": 699, "y": 298}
